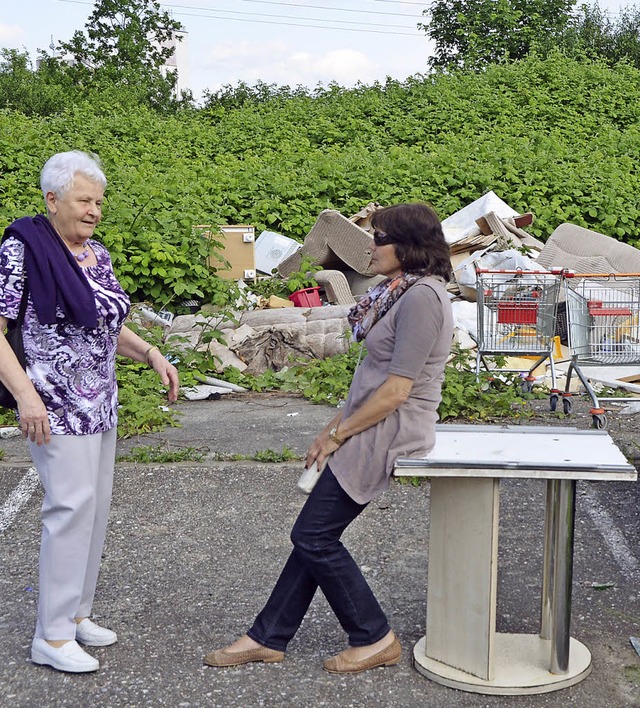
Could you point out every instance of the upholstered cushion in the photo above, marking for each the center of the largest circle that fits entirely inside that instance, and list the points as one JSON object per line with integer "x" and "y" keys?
{"x": 586, "y": 251}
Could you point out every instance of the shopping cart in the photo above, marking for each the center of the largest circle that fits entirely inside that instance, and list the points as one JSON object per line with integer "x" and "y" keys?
{"x": 517, "y": 317}
{"x": 603, "y": 322}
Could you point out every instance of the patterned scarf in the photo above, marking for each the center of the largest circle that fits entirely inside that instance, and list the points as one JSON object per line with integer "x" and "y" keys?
{"x": 378, "y": 302}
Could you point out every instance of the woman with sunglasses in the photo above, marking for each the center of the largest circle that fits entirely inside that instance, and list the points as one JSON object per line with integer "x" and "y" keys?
{"x": 406, "y": 325}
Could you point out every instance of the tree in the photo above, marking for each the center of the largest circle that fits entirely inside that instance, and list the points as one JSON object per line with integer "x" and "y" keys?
{"x": 592, "y": 33}
{"x": 470, "y": 34}
{"x": 127, "y": 42}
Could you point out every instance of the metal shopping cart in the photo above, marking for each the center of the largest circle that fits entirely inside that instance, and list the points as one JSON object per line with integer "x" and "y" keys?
{"x": 603, "y": 322}
{"x": 517, "y": 317}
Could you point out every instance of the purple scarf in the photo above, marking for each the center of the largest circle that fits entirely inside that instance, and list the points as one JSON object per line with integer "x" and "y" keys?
{"x": 54, "y": 276}
{"x": 378, "y": 301}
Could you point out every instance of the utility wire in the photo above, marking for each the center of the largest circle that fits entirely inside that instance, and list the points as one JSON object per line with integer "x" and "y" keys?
{"x": 325, "y": 7}
{"x": 276, "y": 21}
{"x": 292, "y": 24}
{"x": 289, "y": 17}
{"x": 401, "y": 2}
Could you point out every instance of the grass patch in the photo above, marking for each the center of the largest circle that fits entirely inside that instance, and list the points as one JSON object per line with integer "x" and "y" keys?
{"x": 268, "y": 455}
{"x": 161, "y": 454}
{"x": 415, "y": 481}
{"x": 632, "y": 673}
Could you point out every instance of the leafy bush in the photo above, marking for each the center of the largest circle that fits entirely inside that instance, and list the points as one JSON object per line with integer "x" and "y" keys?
{"x": 327, "y": 381}
{"x": 142, "y": 400}
{"x": 303, "y": 277}
{"x": 559, "y": 137}
{"x": 283, "y": 287}
{"x": 491, "y": 397}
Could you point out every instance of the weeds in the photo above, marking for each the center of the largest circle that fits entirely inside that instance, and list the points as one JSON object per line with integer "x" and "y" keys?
{"x": 161, "y": 454}
{"x": 268, "y": 455}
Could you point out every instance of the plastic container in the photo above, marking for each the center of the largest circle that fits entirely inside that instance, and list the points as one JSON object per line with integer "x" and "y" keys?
{"x": 309, "y": 297}
{"x": 520, "y": 313}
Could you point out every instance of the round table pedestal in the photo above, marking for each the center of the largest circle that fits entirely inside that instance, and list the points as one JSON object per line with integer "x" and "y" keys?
{"x": 521, "y": 667}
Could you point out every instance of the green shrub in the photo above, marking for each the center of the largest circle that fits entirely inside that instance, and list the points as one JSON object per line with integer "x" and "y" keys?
{"x": 559, "y": 137}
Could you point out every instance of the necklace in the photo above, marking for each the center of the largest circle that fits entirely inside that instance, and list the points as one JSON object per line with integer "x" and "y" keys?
{"x": 83, "y": 254}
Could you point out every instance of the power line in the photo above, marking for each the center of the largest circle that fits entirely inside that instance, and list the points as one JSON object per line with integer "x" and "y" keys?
{"x": 325, "y": 7}
{"x": 402, "y": 2}
{"x": 291, "y": 24}
{"x": 179, "y": 10}
{"x": 286, "y": 17}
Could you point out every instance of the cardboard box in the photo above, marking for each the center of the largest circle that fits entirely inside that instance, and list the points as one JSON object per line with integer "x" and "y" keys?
{"x": 238, "y": 248}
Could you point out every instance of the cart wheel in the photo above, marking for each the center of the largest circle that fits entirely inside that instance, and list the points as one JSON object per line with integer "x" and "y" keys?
{"x": 567, "y": 406}
{"x": 600, "y": 421}
{"x": 553, "y": 402}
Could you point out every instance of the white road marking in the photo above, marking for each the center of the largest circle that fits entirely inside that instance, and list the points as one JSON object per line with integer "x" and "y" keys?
{"x": 613, "y": 537}
{"x": 18, "y": 498}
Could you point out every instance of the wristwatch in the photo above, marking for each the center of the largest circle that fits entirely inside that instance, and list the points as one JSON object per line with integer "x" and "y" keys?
{"x": 333, "y": 434}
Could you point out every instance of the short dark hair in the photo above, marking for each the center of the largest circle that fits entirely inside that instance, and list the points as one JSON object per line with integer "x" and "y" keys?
{"x": 416, "y": 233}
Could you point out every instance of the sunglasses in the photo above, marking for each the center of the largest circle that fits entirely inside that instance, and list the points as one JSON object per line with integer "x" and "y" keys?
{"x": 381, "y": 239}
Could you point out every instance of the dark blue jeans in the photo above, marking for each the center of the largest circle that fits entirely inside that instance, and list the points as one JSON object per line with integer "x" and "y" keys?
{"x": 320, "y": 560}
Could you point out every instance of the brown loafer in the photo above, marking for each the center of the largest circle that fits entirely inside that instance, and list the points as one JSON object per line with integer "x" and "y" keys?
{"x": 220, "y": 657}
{"x": 386, "y": 657}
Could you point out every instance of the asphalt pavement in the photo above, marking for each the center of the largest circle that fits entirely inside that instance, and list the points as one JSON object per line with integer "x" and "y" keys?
{"x": 194, "y": 548}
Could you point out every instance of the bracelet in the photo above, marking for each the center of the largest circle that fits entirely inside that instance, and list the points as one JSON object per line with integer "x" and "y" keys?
{"x": 333, "y": 434}
{"x": 146, "y": 354}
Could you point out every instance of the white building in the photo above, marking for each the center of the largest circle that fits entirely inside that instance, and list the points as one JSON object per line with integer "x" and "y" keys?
{"x": 178, "y": 62}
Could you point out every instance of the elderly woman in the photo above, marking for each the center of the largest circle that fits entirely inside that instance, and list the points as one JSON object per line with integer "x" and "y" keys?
{"x": 406, "y": 325}
{"x": 67, "y": 398}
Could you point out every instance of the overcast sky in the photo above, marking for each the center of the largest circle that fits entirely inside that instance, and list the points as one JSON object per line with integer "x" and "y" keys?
{"x": 283, "y": 42}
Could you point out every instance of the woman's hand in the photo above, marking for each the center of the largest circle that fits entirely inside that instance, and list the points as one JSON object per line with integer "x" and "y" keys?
{"x": 34, "y": 421}
{"x": 129, "y": 344}
{"x": 167, "y": 372}
{"x": 320, "y": 449}
{"x": 387, "y": 398}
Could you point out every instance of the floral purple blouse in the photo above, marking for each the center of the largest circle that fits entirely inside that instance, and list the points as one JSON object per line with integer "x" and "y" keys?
{"x": 72, "y": 367}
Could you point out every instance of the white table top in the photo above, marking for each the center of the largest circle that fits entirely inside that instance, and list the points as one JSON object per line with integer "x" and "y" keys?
{"x": 520, "y": 452}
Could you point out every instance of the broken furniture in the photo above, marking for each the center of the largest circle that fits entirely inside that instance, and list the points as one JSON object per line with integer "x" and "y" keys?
{"x": 485, "y": 221}
{"x": 237, "y": 250}
{"x": 332, "y": 241}
{"x": 461, "y": 648}
{"x": 586, "y": 251}
{"x": 341, "y": 247}
{"x": 493, "y": 235}
{"x": 336, "y": 287}
{"x": 363, "y": 217}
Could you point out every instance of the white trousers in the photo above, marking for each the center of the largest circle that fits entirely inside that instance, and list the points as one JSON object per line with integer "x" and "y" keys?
{"x": 76, "y": 472}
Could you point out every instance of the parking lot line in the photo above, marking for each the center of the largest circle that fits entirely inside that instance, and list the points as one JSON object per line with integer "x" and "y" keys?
{"x": 18, "y": 498}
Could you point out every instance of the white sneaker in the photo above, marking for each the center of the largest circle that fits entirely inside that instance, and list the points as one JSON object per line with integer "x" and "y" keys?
{"x": 69, "y": 657}
{"x": 92, "y": 635}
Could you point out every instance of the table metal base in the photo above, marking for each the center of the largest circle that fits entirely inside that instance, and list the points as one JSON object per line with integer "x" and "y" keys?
{"x": 521, "y": 667}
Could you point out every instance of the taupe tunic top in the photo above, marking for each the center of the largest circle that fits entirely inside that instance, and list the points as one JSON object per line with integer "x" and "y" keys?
{"x": 413, "y": 339}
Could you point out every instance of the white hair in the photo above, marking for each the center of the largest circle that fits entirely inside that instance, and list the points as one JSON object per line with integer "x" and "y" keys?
{"x": 59, "y": 171}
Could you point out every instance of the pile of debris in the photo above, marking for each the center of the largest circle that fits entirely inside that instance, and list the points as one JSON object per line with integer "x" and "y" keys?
{"x": 269, "y": 334}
